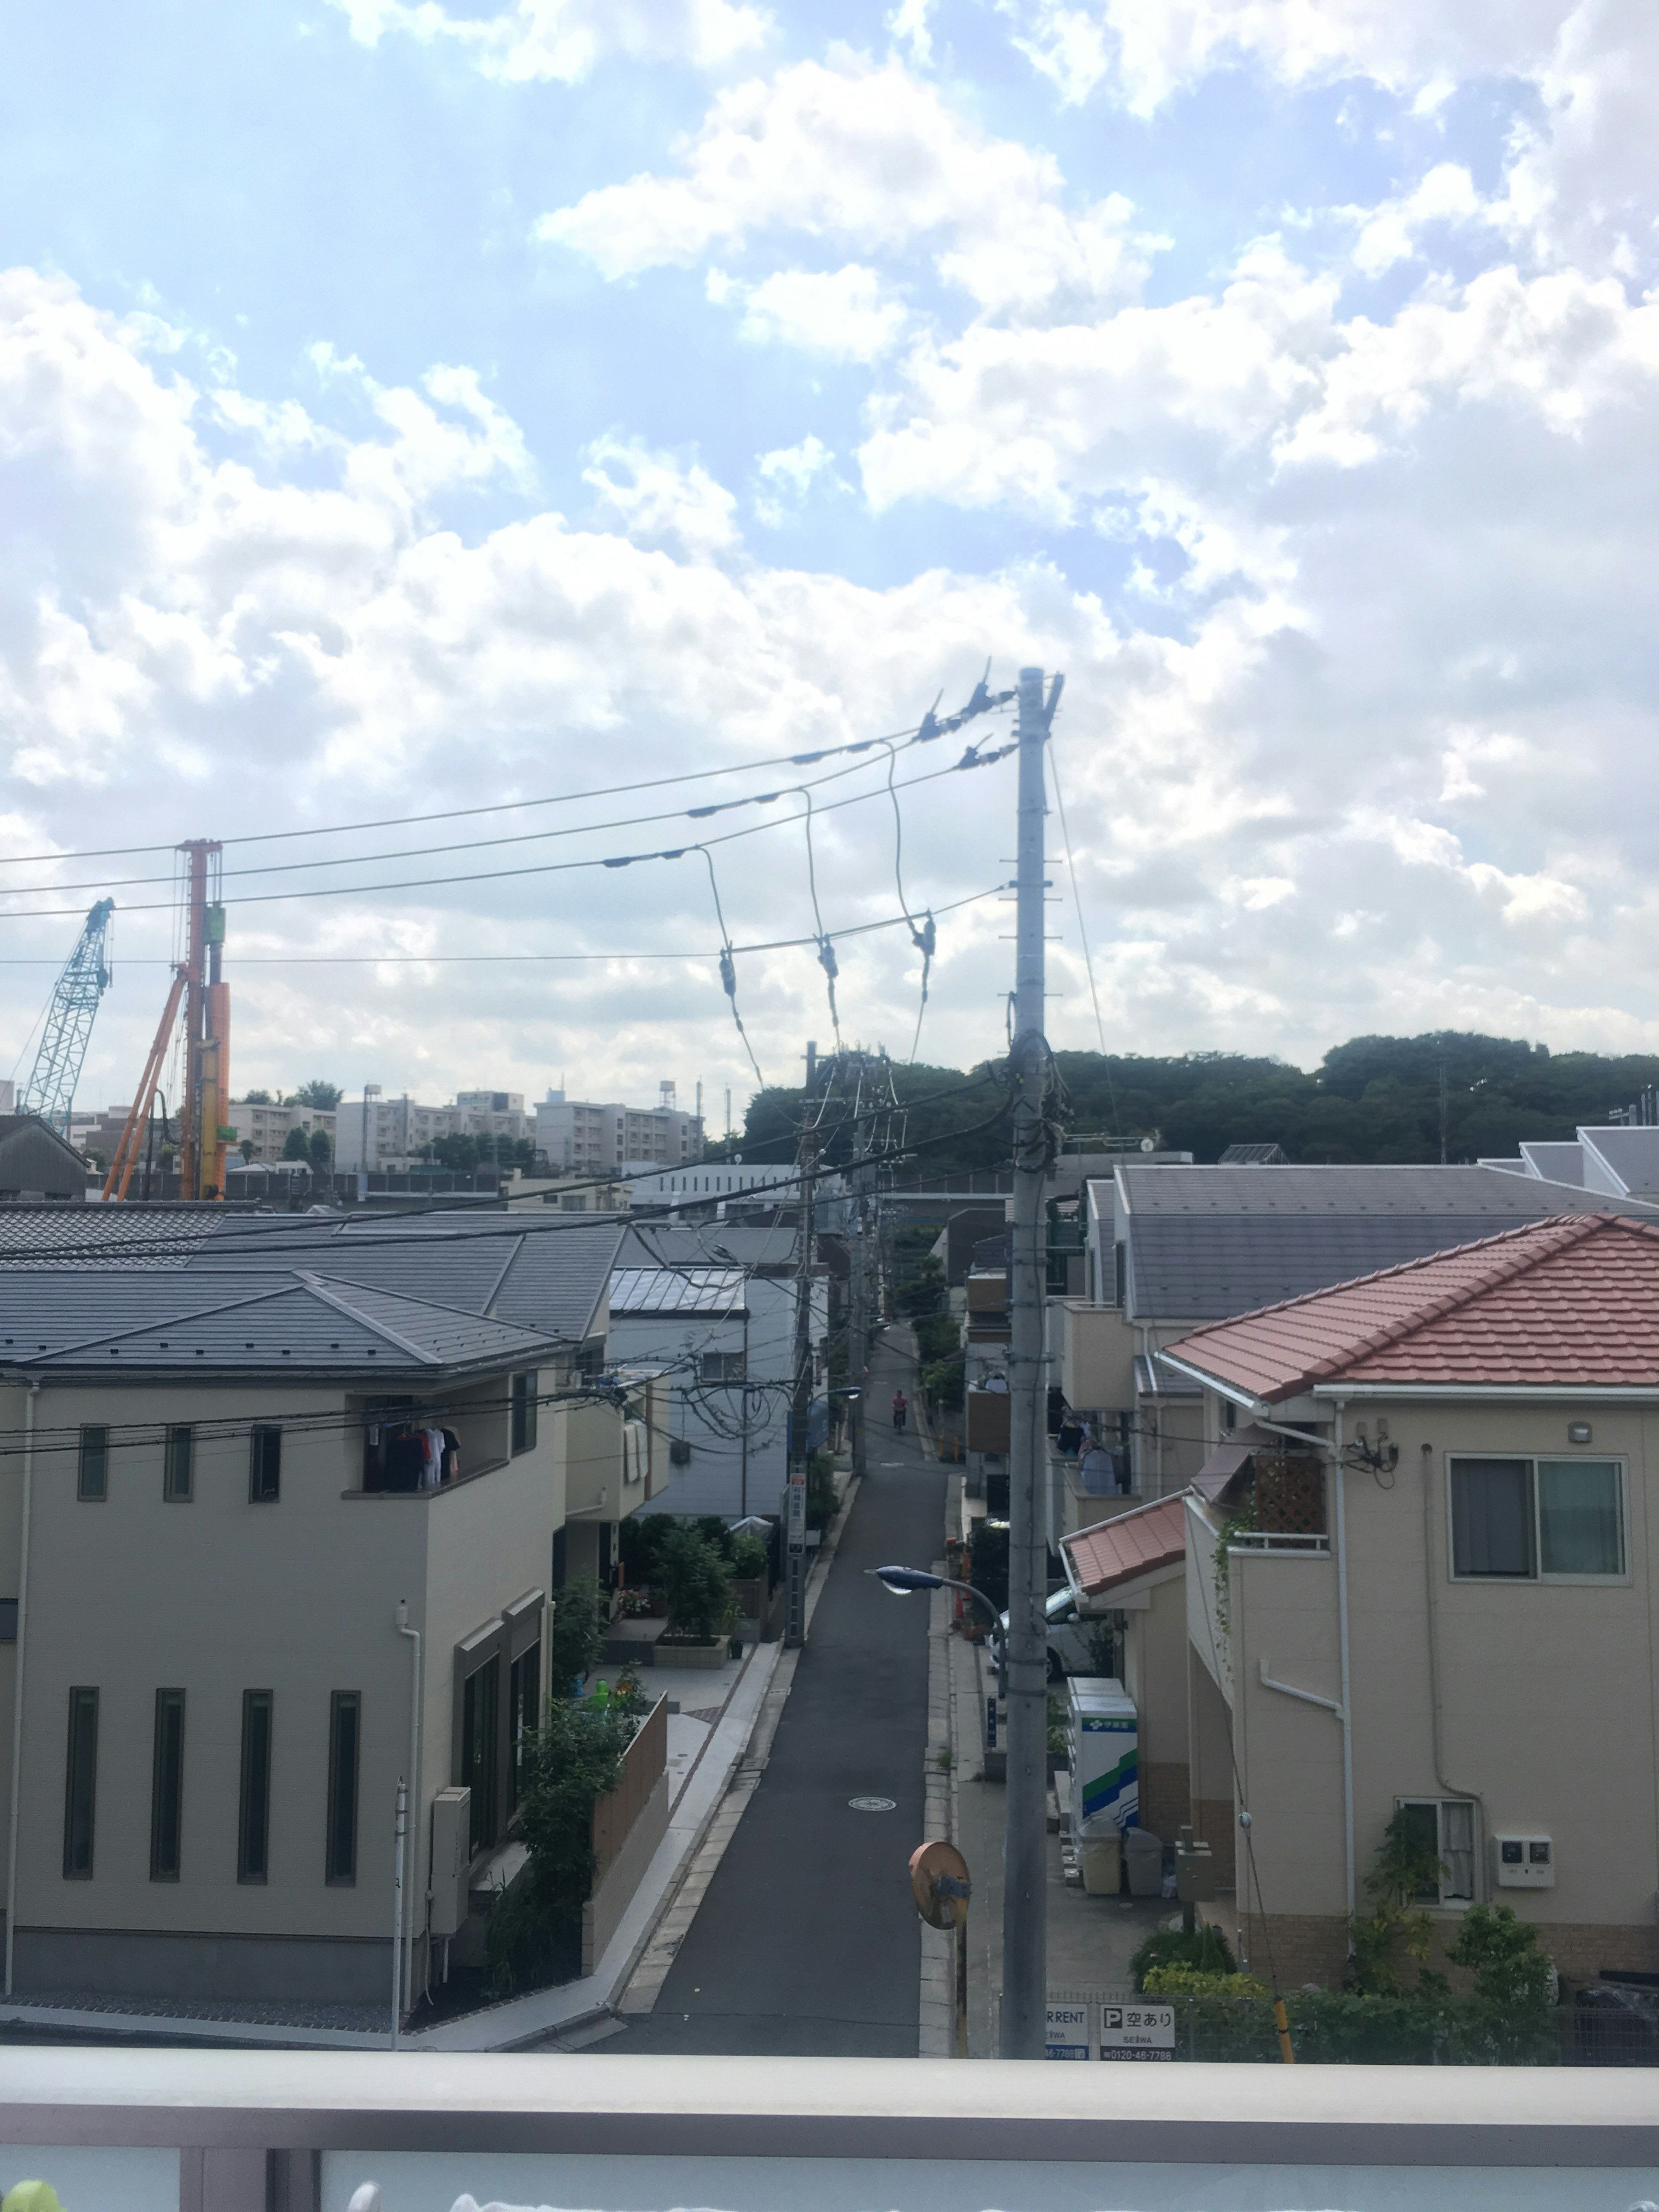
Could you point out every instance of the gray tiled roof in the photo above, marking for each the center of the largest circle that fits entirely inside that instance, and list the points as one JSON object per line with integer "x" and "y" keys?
{"x": 1207, "y": 1243}
{"x": 266, "y": 1320}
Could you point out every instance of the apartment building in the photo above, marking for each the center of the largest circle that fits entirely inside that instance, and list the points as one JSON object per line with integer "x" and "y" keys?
{"x": 280, "y": 1523}
{"x": 376, "y": 1132}
{"x": 579, "y": 1137}
{"x": 1419, "y": 1577}
{"x": 267, "y": 1128}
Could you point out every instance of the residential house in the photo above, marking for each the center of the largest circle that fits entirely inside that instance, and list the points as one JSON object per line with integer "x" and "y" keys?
{"x": 1618, "y": 1160}
{"x": 37, "y": 1163}
{"x": 217, "y": 1522}
{"x": 1421, "y": 1577}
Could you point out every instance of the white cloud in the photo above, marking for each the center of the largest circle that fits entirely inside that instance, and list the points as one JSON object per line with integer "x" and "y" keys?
{"x": 909, "y": 28}
{"x": 845, "y": 314}
{"x": 536, "y": 42}
{"x": 791, "y": 471}
{"x": 660, "y": 500}
{"x": 872, "y": 157}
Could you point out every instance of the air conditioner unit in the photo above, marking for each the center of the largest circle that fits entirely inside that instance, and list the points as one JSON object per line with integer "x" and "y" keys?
{"x": 679, "y": 1451}
{"x": 452, "y": 1859}
{"x": 1524, "y": 1862}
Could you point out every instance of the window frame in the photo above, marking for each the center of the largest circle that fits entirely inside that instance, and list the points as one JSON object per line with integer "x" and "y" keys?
{"x": 482, "y": 1721}
{"x": 340, "y": 1703}
{"x": 1532, "y": 1459}
{"x": 733, "y": 1367}
{"x": 167, "y": 1788}
{"x": 264, "y": 1485}
{"x": 524, "y": 1408}
{"x": 255, "y": 1789}
{"x": 1456, "y": 1901}
{"x": 81, "y": 1757}
{"x": 178, "y": 1442}
{"x": 84, "y": 1494}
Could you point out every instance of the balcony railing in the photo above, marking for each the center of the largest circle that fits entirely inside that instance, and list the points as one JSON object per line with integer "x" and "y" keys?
{"x": 276, "y": 2131}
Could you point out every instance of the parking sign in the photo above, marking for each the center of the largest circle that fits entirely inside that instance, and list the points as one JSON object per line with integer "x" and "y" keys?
{"x": 1068, "y": 2031}
{"x": 1136, "y": 2030}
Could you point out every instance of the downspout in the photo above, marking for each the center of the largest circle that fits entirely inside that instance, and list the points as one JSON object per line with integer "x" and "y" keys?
{"x": 17, "y": 1693}
{"x": 1429, "y": 1580}
{"x": 1344, "y": 1689}
{"x": 415, "y": 1887}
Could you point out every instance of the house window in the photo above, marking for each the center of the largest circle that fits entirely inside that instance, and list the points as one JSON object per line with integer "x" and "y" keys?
{"x": 253, "y": 1815}
{"x": 1445, "y": 1825}
{"x": 523, "y": 1687}
{"x": 524, "y": 1393}
{"x": 178, "y": 1472}
{"x": 94, "y": 1478}
{"x": 79, "y": 1784}
{"x": 345, "y": 1733}
{"x": 264, "y": 1475}
{"x": 480, "y": 1704}
{"x": 1537, "y": 1520}
{"x": 166, "y": 1789}
{"x": 722, "y": 1367}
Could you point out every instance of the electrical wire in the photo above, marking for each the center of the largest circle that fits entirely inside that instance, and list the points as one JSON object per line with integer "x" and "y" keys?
{"x": 1083, "y": 933}
{"x": 728, "y": 967}
{"x": 826, "y": 948}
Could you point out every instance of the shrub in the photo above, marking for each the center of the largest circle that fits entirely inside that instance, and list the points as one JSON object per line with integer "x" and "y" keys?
{"x": 748, "y": 1561}
{"x": 1206, "y": 1950}
{"x": 697, "y": 1584}
{"x": 1179, "y": 1981}
{"x": 577, "y": 1635}
{"x": 574, "y": 1757}
{"x": 1508, "y": 2020}
{"x": 1406, "y": 1867}
{"x": 820, "y": 1490}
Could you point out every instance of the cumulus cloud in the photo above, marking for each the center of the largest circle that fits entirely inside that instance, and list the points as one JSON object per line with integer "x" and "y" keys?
{"x": 660, "y": 500}
{"x": 872, "y": 157}
{"x": 537, "y": 41}
{"x": 845, "y": 314}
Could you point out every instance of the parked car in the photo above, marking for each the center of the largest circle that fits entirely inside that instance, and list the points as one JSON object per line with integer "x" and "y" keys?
{"x": 1078, "y": 1643}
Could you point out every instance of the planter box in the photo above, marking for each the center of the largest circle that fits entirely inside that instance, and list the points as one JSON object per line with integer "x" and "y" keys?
{"x": 691, "y": 1655}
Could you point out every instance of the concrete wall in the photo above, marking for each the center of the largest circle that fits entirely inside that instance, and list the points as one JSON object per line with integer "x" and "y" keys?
{"x": 1155, "y": 1675}
{"x": 1096, "y": 1357}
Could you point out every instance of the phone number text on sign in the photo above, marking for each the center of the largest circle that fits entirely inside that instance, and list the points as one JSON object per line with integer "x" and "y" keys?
{"x": 1144, "y": 2032}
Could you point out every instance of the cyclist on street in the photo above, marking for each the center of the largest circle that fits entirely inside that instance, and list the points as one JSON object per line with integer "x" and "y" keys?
{"x": 899, "y": 1409}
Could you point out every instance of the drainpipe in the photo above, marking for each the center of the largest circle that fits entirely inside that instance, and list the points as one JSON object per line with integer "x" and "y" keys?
{"x": 414, "y": 1885}
{"x": 1344, "y": 1690}
{"x": 1430, "y": 1580}
{"x": 17, "y": 1697}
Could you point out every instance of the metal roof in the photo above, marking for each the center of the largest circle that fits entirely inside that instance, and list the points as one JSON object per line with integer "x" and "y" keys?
{"x": 640, "y": 1291}
{"x": 1434, "y": 1191}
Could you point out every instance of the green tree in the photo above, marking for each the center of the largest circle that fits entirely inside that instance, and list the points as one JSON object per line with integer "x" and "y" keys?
{"x": 1407, "y": 1869}
{"x": 577, "y": 1636}
{"x": 296, "y": 1145}
{"x": 696, "y": 1582}
{"x": 1508, "y": 2018}
{"x": 458, "y": 1153}
{"x": 320, "y": 1149}
{"x": 256, "y": 1098}
{"x": 575, "y": 1757}
{"x": 322, "y": 1096}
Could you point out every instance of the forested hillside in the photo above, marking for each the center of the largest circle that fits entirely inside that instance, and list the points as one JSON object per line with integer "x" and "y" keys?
{"x": 1372, "y": 1099}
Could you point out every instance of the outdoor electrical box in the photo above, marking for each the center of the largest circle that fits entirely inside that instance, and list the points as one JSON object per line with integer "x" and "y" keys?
{"x": 1195, "y": 1873}
{"x": 1102, "y": 1743}
{"x": 1524, "y": 1862}
{"x": 452, "y": 1859}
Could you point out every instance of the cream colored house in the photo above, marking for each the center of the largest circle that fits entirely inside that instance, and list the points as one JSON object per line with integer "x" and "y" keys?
{"x": 249, "y": 1600}
{"x": 1421, "y": 1573}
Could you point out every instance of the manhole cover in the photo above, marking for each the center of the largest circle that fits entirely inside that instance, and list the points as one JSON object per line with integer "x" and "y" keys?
{"x": 873, "y": 1804}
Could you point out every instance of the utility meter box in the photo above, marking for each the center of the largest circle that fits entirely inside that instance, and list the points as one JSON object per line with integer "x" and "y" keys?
{"x": 1524, "y": 1862}
{"x": 1195, "y": 1873}
{"x": 452, "y": 1859}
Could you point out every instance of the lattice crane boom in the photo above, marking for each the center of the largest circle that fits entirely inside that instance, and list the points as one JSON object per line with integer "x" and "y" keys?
{"x": 50, "y": 1090}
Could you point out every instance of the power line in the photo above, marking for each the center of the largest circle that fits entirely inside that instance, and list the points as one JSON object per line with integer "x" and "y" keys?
{"x": 1083, "y": 933}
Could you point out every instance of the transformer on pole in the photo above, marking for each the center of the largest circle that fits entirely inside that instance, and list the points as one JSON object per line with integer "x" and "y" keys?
{"x": 50, "y": 1090}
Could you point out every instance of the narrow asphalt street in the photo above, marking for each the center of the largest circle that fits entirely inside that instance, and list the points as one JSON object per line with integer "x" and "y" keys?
{"x": 807, "y": 1942}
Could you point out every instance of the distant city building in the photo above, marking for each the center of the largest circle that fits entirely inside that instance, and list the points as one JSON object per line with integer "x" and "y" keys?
{"x": 267, "y": 1128}
{"x": 579, "y": 1138}
{"x": 375, "y": 1132}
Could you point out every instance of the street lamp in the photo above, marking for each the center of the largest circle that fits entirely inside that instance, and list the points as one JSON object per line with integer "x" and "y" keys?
{"x": 903, "y": 1581}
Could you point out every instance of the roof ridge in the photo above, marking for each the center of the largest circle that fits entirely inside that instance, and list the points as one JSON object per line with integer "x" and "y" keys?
{"x": 1571, "y": 1229}
{"x": 278, "y": 1289}
{"x": 320, "y": 1287}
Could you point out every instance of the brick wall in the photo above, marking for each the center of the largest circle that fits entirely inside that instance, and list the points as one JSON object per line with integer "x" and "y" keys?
{"x": 1293, "y": 1947}
{"x": 1313, "y": 1948}
{"x": 1164, "y": 1797}
{"x": 1213, "y": 1824}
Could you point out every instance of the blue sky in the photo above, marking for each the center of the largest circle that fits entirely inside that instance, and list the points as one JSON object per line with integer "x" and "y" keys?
{"x": 406, "y": 407}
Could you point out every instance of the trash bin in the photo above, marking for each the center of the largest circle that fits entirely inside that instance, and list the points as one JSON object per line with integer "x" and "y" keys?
{"x": 1144, "y": 1853}
{"x": 1101, "y": 1859}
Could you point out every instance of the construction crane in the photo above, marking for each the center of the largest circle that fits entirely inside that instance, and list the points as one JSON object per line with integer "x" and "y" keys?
{"x": 50, "y": 1090}
{"x": 199, "y": 986}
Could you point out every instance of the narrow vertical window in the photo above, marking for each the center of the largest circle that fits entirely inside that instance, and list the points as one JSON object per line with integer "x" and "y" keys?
{"x": 166, "y": 1793}
{"x": 93, "y": 1482}
{"x": 264, "y": 1483}
{"x": 79, "y": 1784}
{"x": 178, "y": 1473}
{"x": 254, "y": 1817}
{"x": 524, "y": 1412}
{"x": 524, "y": 1700}
{"x": 345, "y": 1728}
{"x": 480, "y": 1706}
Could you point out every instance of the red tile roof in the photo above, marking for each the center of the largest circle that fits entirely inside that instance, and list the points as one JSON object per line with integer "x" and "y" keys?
{"x": 1135, "y": 1544}
{"x": 1570, "y": 1301}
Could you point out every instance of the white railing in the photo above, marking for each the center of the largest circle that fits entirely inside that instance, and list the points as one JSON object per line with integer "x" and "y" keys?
{"x": 235, "y": 2132}
{"x": 1282, "y": 1540}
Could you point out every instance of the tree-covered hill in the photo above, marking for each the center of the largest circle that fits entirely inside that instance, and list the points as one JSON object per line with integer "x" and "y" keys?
{"x": 1373, "y": 1098}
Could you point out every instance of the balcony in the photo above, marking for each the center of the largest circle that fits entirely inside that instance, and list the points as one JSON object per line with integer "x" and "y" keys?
{"x": 246, "y": 2131}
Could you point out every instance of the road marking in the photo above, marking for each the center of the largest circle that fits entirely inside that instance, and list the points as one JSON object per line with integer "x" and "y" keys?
{"x": 873, "y": 1804}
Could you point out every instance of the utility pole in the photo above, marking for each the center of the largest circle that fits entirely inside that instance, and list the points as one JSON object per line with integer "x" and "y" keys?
{"x": 800, "y": 1403}
{"x": 857, "y": 1345}
{"x": 1024, "y": 1909}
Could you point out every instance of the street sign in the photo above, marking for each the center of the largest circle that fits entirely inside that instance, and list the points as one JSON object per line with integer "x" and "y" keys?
{"x": 795, "y": 1512}
{"x": 990, "y": 1723}
{"x": 1136, "y": 2030}
{"x": 1067, "y": 2035}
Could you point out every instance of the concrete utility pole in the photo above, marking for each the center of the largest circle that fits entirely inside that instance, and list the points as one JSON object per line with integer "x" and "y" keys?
{"x": 1025, "y": 1908}
{"x": 800, "y": 1403}
{"x": 858, "y": 1346}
